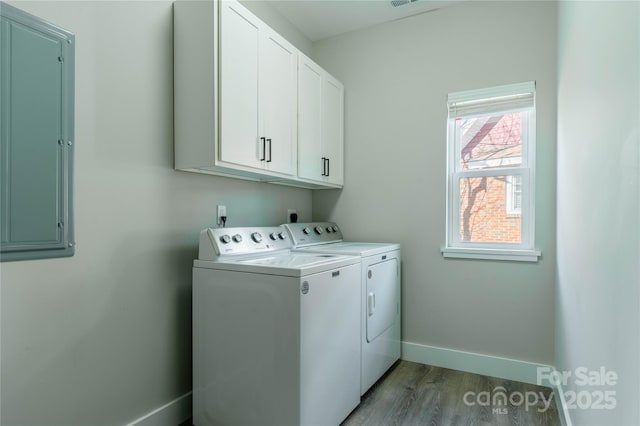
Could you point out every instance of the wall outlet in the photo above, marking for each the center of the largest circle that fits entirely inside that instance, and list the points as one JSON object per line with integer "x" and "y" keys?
{"x": 290, "y": 218}
{"x": 222, "y": 211}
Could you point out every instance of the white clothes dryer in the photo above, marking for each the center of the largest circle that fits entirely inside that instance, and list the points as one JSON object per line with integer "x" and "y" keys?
{"x": 275, "y": 336}
{"x": 380, "y": 292}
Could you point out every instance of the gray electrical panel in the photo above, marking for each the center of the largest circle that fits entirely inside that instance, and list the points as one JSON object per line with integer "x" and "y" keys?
{"x": 36, "y": 135}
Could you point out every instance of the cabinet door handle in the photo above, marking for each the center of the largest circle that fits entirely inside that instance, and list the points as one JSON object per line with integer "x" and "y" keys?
{"x": 328, "y": 165}
{"x": 269, "y": 141}
{"x": 264, "y": 148}
{"x": 324, "y": 166}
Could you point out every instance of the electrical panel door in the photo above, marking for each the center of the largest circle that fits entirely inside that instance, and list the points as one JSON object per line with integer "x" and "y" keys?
{"x": 36, "y": 137}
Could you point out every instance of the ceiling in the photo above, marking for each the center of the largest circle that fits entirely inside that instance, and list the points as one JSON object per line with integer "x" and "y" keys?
{"x": 320, "y": 19}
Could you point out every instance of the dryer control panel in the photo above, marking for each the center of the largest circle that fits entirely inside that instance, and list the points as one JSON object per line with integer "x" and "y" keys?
{"x": 219, "y": 242}
{"x": 310, "y": 233}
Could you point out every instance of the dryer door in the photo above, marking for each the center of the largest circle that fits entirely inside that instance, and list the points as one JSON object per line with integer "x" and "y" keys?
{"x": 381, "y": 297}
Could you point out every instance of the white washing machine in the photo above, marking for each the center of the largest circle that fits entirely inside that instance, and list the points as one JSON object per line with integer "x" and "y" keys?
{"x": 275, "y": 335}
{"x": 380, "y": 292}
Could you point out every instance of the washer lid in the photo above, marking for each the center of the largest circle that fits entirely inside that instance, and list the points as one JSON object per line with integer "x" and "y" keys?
{"x": 284, "y": 264}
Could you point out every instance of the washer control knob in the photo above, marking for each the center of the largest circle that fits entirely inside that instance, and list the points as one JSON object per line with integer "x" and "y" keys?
{"x": 256, "y": 236}
{"x": 273, "y": 236}
{"x": 335, "y": 228}
{"x": 307, "y": 231}
{"x": 329, "y": 229}
{"x": 318, "y": 230}
{"x": 237, "y": 238}
{"x": 225, "y": 239}
{"x": 282, "y": 235}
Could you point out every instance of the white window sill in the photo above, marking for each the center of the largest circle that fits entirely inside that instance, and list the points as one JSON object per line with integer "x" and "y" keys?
{"x": 491, "y": 254}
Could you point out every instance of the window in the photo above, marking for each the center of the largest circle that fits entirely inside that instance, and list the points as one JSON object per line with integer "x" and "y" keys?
{"x": 490, "y": 173}
{"x": 514, "y": 196}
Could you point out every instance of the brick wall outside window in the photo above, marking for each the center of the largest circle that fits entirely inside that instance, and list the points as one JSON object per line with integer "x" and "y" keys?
{"x": 483, "y": 200}
{"x": 483, "y": 211}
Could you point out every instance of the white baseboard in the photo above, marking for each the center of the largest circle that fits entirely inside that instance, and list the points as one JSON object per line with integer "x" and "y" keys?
{"x": 170, "y": 414}
{"x": 487, "y": 365}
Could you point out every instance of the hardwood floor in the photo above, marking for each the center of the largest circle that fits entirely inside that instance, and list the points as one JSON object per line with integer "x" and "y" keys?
{"x": 416, "y": 394}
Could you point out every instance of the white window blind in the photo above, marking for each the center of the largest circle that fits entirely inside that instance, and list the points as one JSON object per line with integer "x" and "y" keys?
{"x": 511, "y": 97}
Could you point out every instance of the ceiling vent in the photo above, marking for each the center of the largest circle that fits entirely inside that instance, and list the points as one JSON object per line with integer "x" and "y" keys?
{"x": 398, "y": 3}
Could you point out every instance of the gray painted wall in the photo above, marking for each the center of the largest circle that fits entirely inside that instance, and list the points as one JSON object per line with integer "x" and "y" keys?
{"x": 598, "y": 294}
{"x": 104, "y": 337}
{"x": 275, "y": 20}
{"x": 397, "y": 77}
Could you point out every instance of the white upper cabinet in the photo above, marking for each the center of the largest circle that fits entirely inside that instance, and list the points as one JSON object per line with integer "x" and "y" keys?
{"x": 278, "y": 85}
{"x": 238, "y": 103}
{"x": 311, "y": 161}
{"x": 333, "y": 128}
{"x": 195, "y": 87}
{"x": 258, "y": 83}
{"x": 320, "y": 124}
{"x": 239, "y": 77}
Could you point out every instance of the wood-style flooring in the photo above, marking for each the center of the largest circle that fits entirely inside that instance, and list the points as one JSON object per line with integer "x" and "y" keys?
{"x": 416, "y": 394}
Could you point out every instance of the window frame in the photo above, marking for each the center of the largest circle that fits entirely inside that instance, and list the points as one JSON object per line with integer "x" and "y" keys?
{"x": 483, "y": 102}
{"x": 511, "y": 210}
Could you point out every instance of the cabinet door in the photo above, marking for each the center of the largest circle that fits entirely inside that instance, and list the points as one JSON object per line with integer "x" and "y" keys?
{"x": 310, "y": 156}
{"x": 239, "y": 43}
{"x": 278, "y": 102}
{"x": 333, "y": 128}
